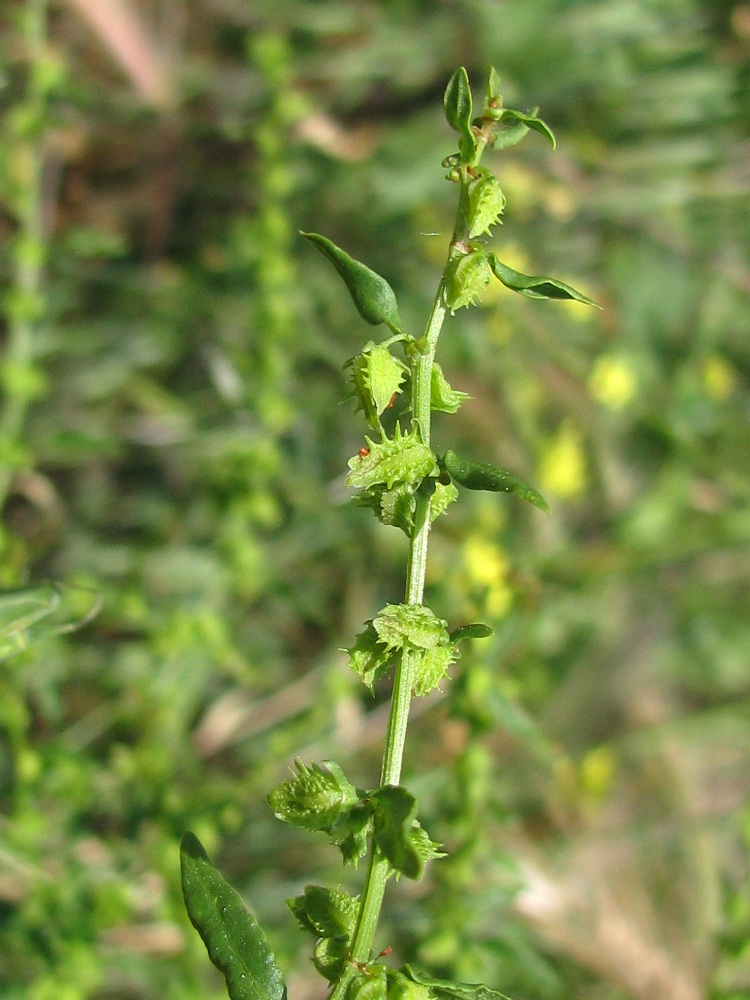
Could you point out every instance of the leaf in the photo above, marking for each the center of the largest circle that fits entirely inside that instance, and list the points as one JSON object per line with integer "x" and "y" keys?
{"x": 443, "y": 398}
{"x": 476, "y": 630}
{"x": 444, "y": 495}
{"x": 445, "y": 989}
{"x": 457, "y": 101}
{"x": 372, "y": 295}
{"x": 431, "y": 666}
{"x": 530, "y": 120}
{"x": 483, "y": 476}
{"x": 492, "y": 89}
{"x": 404, "y": 626}
{"x": 314, "y": 798}
{"x": 369, "y": 983}
{"x": 377, "y": 377}
{"x": 235, "y": 942}
{"x": 486, "y": 204}
{"x": 325, "y": 912}
{"x": 369, "y": 658}
{"x": 401, "y": 459}
{"x": 329, "y": 958}
{"x": 466, "y": 277}
{"x": 395, "y": 812}
{"x": 535, "y": 287}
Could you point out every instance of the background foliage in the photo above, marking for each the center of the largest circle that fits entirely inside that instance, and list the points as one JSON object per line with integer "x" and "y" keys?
{"x": 171, "y": 436}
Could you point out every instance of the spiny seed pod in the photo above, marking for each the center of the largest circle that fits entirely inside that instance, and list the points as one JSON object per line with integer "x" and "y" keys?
{"x": 466, "y": 278}
{"x": 486, "y": 204}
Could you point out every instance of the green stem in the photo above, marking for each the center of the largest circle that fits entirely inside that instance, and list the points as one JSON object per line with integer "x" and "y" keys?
{"x": 378, "y": 868}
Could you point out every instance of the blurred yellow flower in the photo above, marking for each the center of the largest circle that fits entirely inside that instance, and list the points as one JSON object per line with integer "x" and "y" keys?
{"x": 484, "y": 561}
{"x": 719, "y": 377}
{"x": 612, "y": 382}
{"x": 597, "y": 772}
{"x": 562, "y": 466}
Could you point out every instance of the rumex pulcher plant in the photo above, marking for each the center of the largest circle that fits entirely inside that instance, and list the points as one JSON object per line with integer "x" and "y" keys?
{"x": 398, "y": 385}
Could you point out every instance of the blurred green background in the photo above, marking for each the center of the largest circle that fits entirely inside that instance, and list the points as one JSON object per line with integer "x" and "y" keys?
{"x": 171, "y": 438}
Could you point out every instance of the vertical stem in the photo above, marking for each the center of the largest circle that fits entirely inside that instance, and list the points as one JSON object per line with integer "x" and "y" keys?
{"x": 378, "y": 868}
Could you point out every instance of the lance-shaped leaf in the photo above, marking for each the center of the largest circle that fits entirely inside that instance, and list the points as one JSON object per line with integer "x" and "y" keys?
{"x": 535, "y": 287}
{"x": 445, "y": 989}
{"x": 530, "y": 120}
{"x": 236, "y": 944}
{"x": 492, "y": 99}
{"x": 477, "y": 630}
{"x": 457, "y": 102}
{"x": 372, "y": 295}
{"x": 484, "y": 476}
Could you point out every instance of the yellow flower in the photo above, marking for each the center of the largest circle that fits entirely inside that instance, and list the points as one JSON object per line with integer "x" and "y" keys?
{"x": 562, "y": 467}
{"x": 485, "y": 563}
{"x": 612, "y": 382}
{"x": 719, "y": 378}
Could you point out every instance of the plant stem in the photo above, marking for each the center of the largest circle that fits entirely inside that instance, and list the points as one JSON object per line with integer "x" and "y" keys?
{"x": 378, "y": 868}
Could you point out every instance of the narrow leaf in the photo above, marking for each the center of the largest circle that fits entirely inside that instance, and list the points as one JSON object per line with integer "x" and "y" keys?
{"x": 530, "y": 120}
{"x": 457, "y": 101}
{"x": 372, "y": 295}
{"x": 483, "y": 476}
{"x": 492, "y": 88}
{"x": 235, "y": 942}
{"x": 477, "y": 630}
{"x": 445, "y": 989}
{"x": 535, "y": 287}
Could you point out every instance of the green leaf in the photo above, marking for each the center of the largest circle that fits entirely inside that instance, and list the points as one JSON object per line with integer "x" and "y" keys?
{"x": 457, "y": 101}
{"x": 445, "y": 989}
{"x": 369, "y": 657}
{"x": 530, "y": 120}
{"x": 444, "y": 495}
{"x": 535, "y": 287}
{"x": 492, "y": 90}
{"x": 483, "y": 476}
{"x": 314, "y": 798}
{"x": 400, "y": 987}
{"x": 372, "y": 295}
{"x": 431, "y": 666}
{"x": 402, "y": 459}
{"x": 235, "y": 942}
{"x": 376, "y": 377}
{"x": 329, "y": 958}
{"x": 394, "y": 815}
{"x": 466, "y": 277}
{"x": 442, "y": 397}
{"x": 476, "y": 630}
{"x": 369, "y": 983}
{"x": 486, "y": 204}
{"x": 404, "y": 626}
{"x": 325, "y": 912}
